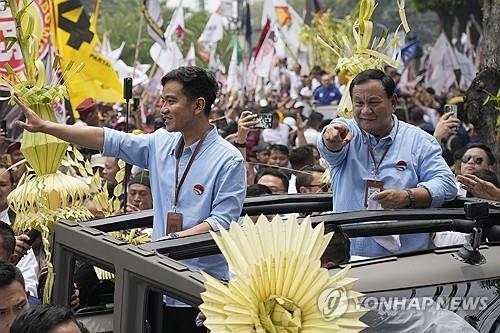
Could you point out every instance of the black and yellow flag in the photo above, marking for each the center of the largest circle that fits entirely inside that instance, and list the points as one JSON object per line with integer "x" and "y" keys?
{"x": 75, "y": 39}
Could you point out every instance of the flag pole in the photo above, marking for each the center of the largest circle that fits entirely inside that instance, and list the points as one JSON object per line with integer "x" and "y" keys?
{"x": 137, "y": 44}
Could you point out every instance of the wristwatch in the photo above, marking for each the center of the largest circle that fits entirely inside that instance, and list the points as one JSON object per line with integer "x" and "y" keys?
{"x": 172, "y": 235}
{"x": 239, "y": 145}
{"x": 411, "y": 199}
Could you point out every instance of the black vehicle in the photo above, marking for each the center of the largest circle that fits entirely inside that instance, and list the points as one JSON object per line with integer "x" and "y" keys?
{"x": 462, "y": 274}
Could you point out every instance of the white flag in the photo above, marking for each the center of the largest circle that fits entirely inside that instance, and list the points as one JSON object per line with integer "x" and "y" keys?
{"x": 214, "y": 30}
{"x": 442, "y": 62}
{"x": 51, "y": 78}
{"x": 167, "y": 58}
{"x": 264, "y": 59}
{"x": 152, "y": 15}
{"x": 190, "y": 57}
{"x": 467, "y": 68}
{"x": 176, "y": 28}
{"x": 235, "y": 71}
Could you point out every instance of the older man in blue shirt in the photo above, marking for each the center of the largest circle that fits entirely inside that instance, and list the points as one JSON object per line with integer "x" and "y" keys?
{"x": 327, "y": 93}
{"x": 379, "y": 162}
{"x": 198, "y": 179}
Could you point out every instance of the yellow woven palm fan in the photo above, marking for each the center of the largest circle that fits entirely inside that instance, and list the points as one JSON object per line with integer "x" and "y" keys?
{"x": 363, "y": 51}
{"x": 279, "y": 285}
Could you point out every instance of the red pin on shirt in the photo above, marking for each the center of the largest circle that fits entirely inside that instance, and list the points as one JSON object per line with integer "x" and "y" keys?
{"x": 198, "y": 189}
{"x": 401, "y": 165}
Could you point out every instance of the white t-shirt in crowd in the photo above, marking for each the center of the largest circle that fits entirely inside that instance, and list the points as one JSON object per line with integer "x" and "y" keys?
{"x": 278, "y": 135}
{"x": 292, "y": 188}
{"x": 4, "y": 216}
{"x": 311, "y": 135}
{"x": 29, "y": 268}
{"x": 315, "y": 84}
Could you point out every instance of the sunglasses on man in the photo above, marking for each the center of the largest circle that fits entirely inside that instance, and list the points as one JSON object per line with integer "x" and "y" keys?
{"x": 476, "y": 159}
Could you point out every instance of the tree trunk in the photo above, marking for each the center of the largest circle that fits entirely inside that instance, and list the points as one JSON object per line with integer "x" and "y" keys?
{"x": 483, "y": 117}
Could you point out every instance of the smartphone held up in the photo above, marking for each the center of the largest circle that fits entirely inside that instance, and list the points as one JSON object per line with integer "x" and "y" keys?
{"x": 264, "y": 120}
{"x": 451, "y": 108}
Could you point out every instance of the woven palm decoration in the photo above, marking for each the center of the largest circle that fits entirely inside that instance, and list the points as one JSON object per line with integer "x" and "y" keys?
{"x": 279, "y": 285}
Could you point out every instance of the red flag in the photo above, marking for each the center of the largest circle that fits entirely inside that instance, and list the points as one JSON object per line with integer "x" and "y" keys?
{"x": 262, "y": 37}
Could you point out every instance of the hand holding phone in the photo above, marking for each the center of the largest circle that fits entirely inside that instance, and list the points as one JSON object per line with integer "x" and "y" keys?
{"x": 264, "y": 120}
{"x": 451, "y": 108}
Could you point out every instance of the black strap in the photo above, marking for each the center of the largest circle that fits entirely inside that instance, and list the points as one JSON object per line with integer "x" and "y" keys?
{"x": 178, "y": 183}
{"x": 372, "y": 153}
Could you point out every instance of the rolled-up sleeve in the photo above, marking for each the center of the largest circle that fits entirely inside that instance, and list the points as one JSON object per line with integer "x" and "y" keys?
{"x": 333, "y": 158}
{"x": 133, "y": 149}
{"x": 228, "y": 201}
{"x": 435, "y": 175}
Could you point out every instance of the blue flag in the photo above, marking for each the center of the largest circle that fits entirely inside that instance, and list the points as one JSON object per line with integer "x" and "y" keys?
{"x": 408, "y": 51}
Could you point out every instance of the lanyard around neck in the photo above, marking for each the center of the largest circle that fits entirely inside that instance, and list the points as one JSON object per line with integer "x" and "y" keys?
{"x": 372, "y": 152}
{"x": 178, "y": 183}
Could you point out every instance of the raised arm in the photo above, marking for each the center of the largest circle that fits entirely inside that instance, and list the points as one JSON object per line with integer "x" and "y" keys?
{"x": 84, "y": 136}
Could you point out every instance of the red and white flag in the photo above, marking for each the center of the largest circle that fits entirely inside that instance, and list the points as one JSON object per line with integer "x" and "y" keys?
{"x": 169, "y": 56}
{"x": 211, "y": 35}
{"x": 175, "y": 29}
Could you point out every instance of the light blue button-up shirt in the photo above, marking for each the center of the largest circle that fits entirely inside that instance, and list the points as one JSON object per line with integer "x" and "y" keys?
{"x": 218, "y": 170}
{"x": 413, "y": 160}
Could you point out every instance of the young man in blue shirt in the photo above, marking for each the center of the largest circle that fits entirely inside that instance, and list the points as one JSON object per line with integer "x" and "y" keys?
{"x": 198, "y": 179}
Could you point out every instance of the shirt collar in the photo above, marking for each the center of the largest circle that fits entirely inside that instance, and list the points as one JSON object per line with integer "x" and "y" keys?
{"x": 389, "y": 138}
{"x": 211, "y": 137}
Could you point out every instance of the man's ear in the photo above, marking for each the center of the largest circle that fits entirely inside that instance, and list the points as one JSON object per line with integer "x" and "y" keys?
{"x": 394, "y": 102}
{"x": 199, "y": 105}
{"x": 303, "y": 189}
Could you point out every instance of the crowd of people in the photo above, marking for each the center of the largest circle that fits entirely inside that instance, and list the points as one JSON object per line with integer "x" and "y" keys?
{"x": 197, "y": 154}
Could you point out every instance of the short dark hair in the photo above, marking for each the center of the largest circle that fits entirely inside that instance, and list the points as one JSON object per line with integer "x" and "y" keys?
{"x": 7, "y": 238}
{"x": 196, "y": 82}
{"x": 315, "y": 119}
{"x": 43, "y": 318}
{"x": 273, "y": 172}
{"x": 301, "y": 157}
{"x": 305, "y": 177}
{"x": 458, "y": 154}
{"x": 374, "y": 74}
{"x": 280, "y": 148}
{"x": 256, "y": 190}
{"x": 491, "y": 157}
{"x": 338, "y": 250}
{"x": 9, "y": 274}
